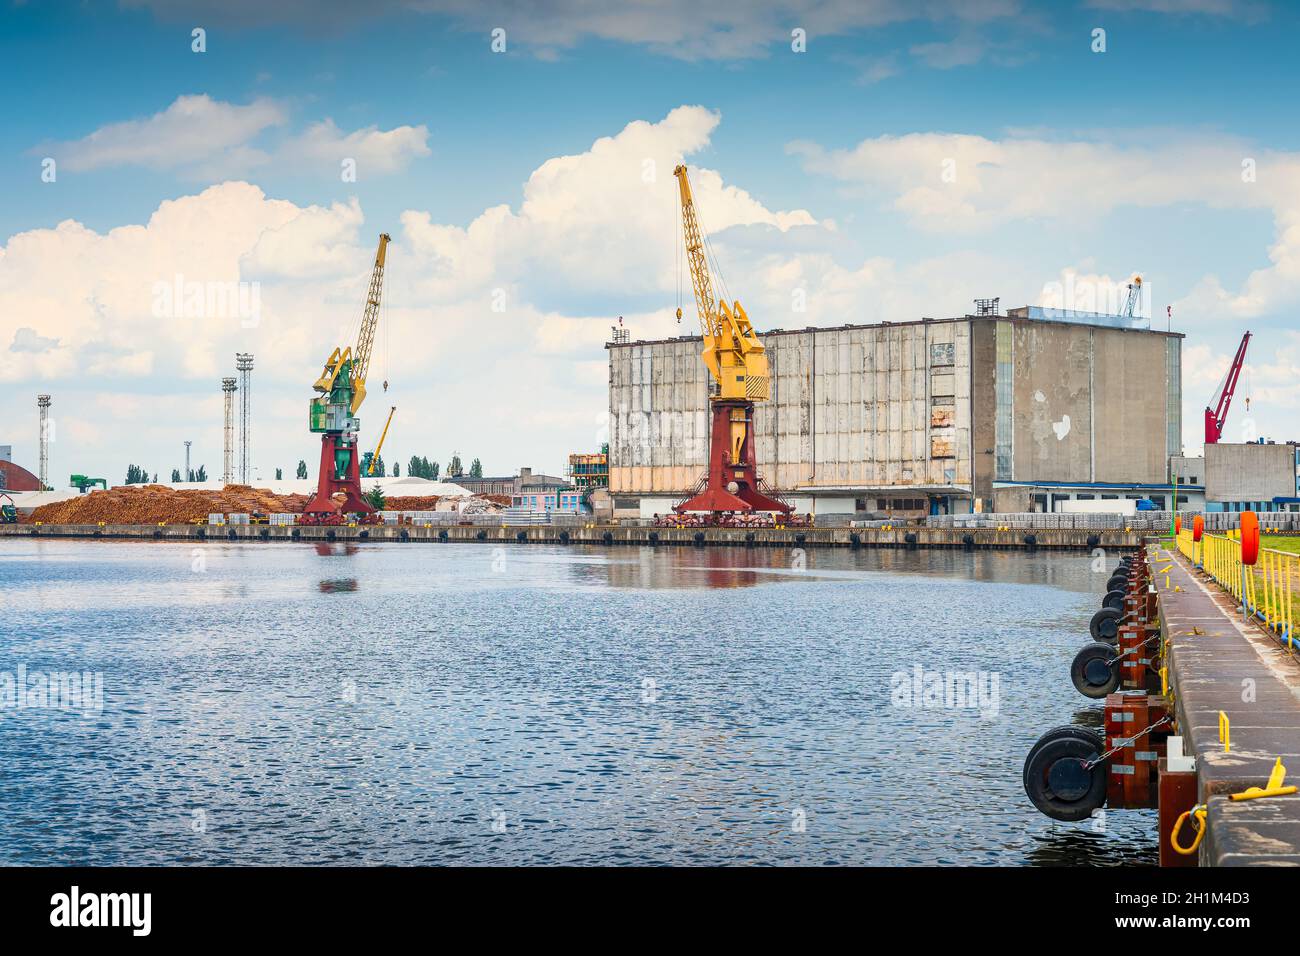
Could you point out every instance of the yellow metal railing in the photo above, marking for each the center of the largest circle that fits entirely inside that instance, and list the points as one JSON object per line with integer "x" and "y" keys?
{"x": 1266, "y": 592}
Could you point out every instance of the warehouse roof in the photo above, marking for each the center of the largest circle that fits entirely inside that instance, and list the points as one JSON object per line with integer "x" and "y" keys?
{"x": 1025, "y": 314}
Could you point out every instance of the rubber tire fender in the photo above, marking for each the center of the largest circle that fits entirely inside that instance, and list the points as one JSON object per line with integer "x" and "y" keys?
{"x": 1068, "y": 730}
{"x": 1057, "y": 783}
{"x": 1113, "y": 599}
{"x": 1083, "y": 672}
{"x": 1104, "y": 626}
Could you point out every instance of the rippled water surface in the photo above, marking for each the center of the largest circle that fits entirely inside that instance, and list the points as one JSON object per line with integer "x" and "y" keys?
{"x": 284, "y": 703}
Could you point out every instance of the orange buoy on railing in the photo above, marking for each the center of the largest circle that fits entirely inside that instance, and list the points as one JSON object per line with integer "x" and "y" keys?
{"x": 1178, "y": 525}
{"x": 1198, "y": 528}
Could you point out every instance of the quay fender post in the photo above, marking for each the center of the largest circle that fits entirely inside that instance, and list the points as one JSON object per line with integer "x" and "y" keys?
{"x": 1176, "y": 795}
{"x": 1136, "y": 724}
{"x": 855, "y": 540}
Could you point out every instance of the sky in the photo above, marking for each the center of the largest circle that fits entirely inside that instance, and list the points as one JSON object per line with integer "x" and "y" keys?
{"x": 852, "y": 160}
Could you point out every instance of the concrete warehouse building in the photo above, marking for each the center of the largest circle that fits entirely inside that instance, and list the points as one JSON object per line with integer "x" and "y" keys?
{"x": 1252, "y": 477}
{"x": 1007, "y": 413}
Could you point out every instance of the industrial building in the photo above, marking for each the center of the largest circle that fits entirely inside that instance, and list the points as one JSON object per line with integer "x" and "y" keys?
{"x": 1251, "y": 477}
{"x": 1015, "y": 412}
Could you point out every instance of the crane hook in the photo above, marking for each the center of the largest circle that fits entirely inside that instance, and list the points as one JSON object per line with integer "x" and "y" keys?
{"x": 679, "y": 316}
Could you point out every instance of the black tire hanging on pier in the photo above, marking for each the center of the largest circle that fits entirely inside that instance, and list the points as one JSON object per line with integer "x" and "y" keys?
{"x": 296, "y": 534}
{"x": 522, "y": 537}
{"x": 1114, "y": 599}
{"x": 1092, "y": 672}
{"x": 800, "y": 538}
{"x": 968, "y": 541}
{"x": 35, "y": 532}
{"x": 910, "y": 539}
{"x": 855, "y": 540}
{"x": 1094, "y": 540}
{"x": 157, "y": 533}
{"x": 1031, "y": 540}
{"x": 363, "y": 534}
{"x": 402, "y": 535}
{"x": 330, "y": 535}
{"x": 231, "y": 534}
{"x": 699, "y": 537}
{"x": 1117, "y": 583}
{"x": 564, "y": 537}
{"x": 1104, "y": 626}
{"x": 1056, "y": 733}
{"x": 654, "y": 537}
{"x": 607, "y": 537}
{"x": 442, "y": 535}
{"x": 1060, "y": 782}
{"x": 480, "y": 535}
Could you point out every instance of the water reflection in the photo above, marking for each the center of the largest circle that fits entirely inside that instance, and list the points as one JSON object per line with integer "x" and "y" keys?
{"x": 338, "y": 584}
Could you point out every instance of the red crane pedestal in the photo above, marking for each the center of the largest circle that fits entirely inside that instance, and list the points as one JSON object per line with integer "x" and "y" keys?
{"x": 731, "y": 483}
{"x": 328, "y": 486}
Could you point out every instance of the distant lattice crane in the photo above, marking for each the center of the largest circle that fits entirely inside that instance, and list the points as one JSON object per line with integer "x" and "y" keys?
{"x": 1216, "y": 417}
{"x": 1134, "y": 297}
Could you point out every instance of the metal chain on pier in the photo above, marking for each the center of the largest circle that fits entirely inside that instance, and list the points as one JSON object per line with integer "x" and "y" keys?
{"x": 1100, "y": 757}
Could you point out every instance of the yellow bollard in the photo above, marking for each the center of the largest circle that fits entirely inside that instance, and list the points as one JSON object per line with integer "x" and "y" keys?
{"x": 1225, "y": 732}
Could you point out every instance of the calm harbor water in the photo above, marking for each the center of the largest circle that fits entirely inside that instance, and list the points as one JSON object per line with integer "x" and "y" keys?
{"x": 424, "y": 704}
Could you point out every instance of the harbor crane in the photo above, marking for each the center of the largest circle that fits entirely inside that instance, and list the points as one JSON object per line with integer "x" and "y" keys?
{"x": 1134, "y": 297}
{"x": 1216, "y": 417}
{"x": 333, "y": 413}
{"x": 737, "y": 363}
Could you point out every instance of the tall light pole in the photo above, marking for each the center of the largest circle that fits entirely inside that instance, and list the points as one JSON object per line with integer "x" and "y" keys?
{"x": 186, "y": 476}
{"x": 43, "y": 403}
{"x": 244, "y": 363}
{"x": 228, "y": 448}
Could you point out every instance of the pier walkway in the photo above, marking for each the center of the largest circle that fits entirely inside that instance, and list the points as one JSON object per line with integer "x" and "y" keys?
{"x": 1229, "y": 672}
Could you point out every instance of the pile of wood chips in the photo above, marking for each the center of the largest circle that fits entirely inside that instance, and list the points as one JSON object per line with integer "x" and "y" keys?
{"x": 150, "y": 504}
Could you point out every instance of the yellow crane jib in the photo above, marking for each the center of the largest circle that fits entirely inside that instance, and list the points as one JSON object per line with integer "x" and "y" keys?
{"x": 369, "y": 320}
{"x": 382, "y": 435}
{"x": 732, "y": 352}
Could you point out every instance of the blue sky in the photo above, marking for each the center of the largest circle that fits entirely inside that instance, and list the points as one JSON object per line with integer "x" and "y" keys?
{"x": 1067, "y": 160}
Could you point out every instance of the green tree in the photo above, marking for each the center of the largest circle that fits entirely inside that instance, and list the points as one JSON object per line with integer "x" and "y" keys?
{"x": 302, "y": 468}
{"x": 375, "y": 498}
{"x": 279, "y": 475}
{"x": 476, "y": 469}
{"x": 397, "y": 469}
{"x": 176, "y": 474}
{"x": 454, "y": 468}
{"x": 413, "y": 467}
{"x": 136, "y": 475}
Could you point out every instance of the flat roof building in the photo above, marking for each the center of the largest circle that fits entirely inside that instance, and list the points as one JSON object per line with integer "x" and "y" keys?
{"x": 1006, "y": 413}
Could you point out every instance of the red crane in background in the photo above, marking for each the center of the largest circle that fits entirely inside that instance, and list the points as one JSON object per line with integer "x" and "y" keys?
{"x": 1217, "y": 417}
